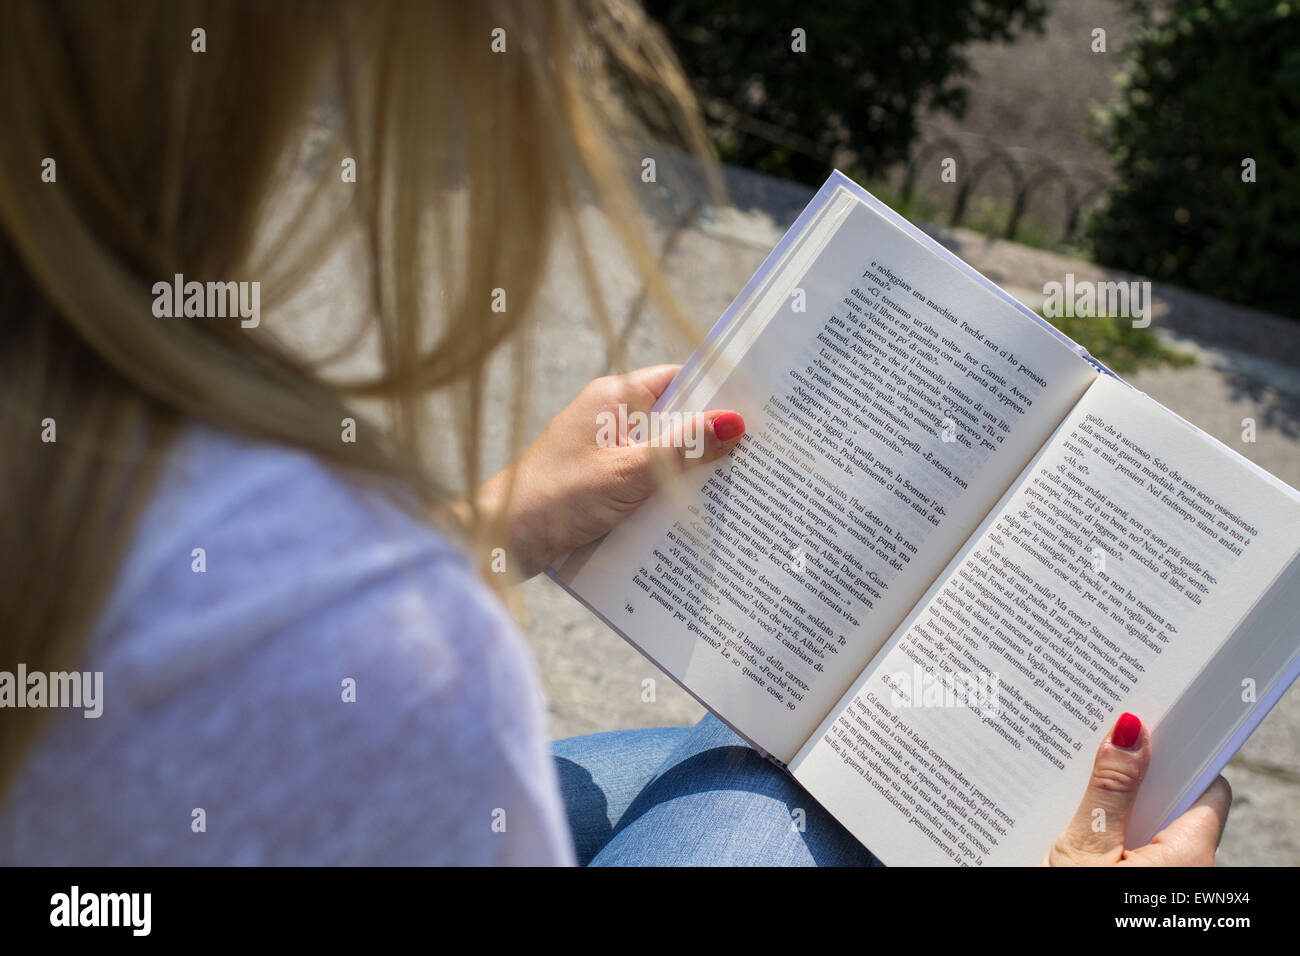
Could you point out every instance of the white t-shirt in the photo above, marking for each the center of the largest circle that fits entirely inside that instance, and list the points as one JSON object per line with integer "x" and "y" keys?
{"x": 226, "y": 737}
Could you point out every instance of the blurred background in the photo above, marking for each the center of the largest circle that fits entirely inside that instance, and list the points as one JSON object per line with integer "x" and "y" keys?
{"x": 1109, "y": 128}
{"x": 1101, "y": 138}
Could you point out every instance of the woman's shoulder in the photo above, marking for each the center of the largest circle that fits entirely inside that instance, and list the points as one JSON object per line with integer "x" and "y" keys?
{"x": 237, "y": 525}
{"x": 244, "y": 540}
{"x": 322, "y": 674}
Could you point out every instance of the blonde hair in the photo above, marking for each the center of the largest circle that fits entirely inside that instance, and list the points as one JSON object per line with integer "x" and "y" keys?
{"x": 169, "y": 160}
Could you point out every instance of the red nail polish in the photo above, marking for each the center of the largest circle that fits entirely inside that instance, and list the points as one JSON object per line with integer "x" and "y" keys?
{"x": 728, "y": 425}
{"x": 1127, "y": 730}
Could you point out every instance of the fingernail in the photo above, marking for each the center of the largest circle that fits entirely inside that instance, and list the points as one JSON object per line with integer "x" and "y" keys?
{"x": 1127, "y": 730}
{"x": 728, "y": 425}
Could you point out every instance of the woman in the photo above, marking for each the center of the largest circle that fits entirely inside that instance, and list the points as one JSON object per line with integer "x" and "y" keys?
{"x": 300, "y": 662}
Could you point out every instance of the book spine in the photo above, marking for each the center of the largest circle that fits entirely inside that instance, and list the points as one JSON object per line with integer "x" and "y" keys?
{"x": 792, "y": 235}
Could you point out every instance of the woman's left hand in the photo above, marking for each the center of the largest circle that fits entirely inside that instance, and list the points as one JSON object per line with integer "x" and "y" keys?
{"x": 581, "y": 477}
{"x": 1096, "y": 835}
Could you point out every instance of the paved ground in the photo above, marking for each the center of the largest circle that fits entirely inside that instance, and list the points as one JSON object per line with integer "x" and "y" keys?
{"x": 1037, "y": 93}
{"x": 593, "y": 679}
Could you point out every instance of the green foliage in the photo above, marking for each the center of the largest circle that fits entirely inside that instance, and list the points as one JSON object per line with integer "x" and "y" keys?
{"x": 1121, "y": 347}
{"x": 868, "y": 69}
{"x": 1209, "y": 84}
{"x": 986, "y": 214}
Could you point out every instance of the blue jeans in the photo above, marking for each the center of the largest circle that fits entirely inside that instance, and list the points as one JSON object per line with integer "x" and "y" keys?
{"x": 683, "y": 796}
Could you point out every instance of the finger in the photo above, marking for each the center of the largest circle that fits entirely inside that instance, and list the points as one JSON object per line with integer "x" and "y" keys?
{"x": 645, "y": 385}
{"x": 1096, "y": 834}
{"x": 1192, "y": 839}
{"x": 703, "y": 438}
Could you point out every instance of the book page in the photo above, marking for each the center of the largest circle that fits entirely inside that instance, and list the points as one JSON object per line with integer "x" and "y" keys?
{"x": 890, "y": 399}
{"x": 1106, "y": 581}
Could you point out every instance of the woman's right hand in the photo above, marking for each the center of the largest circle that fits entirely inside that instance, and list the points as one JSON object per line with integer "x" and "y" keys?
{"x": 567, "y": 488}
{"x": 1097, "y": 839}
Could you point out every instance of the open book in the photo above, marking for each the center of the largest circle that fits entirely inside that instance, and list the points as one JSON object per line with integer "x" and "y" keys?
{"x": 951, "y": 549}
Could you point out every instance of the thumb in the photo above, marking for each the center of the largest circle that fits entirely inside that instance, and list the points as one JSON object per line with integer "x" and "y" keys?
{"x": 1096, "y": 834}
{"x": 702, "y": 438}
